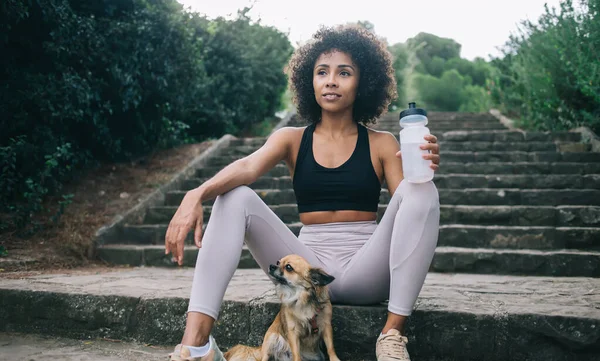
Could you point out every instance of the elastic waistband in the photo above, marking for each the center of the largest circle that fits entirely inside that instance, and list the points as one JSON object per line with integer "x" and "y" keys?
{"x": 354, "y": 227}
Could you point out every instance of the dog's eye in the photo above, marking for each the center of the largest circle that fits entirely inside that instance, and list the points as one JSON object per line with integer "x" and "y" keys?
{"x": 289, "y": 268}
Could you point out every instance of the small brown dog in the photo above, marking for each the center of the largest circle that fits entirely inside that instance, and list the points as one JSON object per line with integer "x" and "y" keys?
{"x": 303, "y": 320}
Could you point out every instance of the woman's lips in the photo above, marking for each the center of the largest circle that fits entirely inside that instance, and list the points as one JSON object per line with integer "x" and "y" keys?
{"x": 331, "y": 96}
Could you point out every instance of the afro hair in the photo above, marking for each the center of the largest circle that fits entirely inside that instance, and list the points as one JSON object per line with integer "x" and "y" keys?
{"x": 377, "y": 83}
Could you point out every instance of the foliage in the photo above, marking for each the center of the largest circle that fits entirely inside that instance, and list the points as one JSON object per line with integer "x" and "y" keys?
{"x": 432, "y": 51}
{"x": 444, "y": 93}
{"x": 400, "y": 55}
{"x": 88, "y": 82}
{"x": 475, "y": 99}
{"x": 440, "y": 79}
{"x": 550, "y": 72}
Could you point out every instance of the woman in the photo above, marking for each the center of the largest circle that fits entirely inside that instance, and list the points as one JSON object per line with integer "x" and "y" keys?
{"x": 342, "y": 81}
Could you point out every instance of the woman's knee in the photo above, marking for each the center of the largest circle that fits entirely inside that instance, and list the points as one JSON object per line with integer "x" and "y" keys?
{"x": 426, "y": 190}
{"x": 421, "y": 196}
{"x": 238, "y": 196}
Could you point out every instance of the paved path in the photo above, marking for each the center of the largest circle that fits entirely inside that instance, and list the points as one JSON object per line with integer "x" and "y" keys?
{"x": 16, "y": 346}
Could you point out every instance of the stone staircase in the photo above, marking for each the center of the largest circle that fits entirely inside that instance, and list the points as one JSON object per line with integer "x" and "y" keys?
{"x": 513, "y": 204}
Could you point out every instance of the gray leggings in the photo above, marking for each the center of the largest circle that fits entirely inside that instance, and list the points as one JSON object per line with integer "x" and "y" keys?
{"x": 370, "y": 262}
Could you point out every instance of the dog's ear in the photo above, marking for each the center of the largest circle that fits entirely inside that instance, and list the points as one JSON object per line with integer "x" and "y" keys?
{"x": 319, "y": 278}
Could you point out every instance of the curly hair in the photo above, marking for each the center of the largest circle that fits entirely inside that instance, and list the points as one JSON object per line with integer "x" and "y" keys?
{"x": 377, "y": 83}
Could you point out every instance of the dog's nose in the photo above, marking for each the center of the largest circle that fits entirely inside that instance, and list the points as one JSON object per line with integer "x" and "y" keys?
{"x": 272, "y": 268}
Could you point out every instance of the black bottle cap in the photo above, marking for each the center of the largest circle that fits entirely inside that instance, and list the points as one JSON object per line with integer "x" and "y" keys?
{"x": 412, "y": 110}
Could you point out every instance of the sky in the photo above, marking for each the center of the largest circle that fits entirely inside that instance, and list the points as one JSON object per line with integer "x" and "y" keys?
{"x": 480, "y": 26}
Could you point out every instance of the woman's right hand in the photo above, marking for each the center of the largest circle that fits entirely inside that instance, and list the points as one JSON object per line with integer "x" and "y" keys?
{"x": 189, "y": 215}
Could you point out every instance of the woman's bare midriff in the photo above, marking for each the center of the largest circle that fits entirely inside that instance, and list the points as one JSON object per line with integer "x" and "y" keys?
{"x": 336, "y": 216}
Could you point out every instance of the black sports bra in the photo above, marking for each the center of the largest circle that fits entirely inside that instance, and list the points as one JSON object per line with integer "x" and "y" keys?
{"x": 353, "y": 185}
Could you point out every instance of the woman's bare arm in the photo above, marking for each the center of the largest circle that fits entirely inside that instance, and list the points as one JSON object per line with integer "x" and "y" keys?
{"x": 247, "y": 170}
{"x": 244, "y": 171}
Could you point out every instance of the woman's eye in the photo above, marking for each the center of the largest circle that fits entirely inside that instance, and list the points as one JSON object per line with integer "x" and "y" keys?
{"x": 321, "y": 72}
{"x": 345, "y": 73}
{"x": 289, "y": 268}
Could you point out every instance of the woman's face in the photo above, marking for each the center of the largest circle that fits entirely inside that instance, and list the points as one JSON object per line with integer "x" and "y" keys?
{"x": 335, "y": 81}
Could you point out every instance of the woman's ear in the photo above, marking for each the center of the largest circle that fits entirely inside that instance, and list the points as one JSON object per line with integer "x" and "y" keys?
{"x": 319, "y": 278}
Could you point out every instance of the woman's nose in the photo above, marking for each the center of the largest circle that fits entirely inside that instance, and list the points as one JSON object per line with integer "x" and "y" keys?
{"x": 331, "y": 81}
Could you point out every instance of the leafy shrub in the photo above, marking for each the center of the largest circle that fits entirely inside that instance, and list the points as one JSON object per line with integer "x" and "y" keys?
{"x": 551, "y": 70}
{"x": 445, "y": 93}
{"x": 86, "y": 82}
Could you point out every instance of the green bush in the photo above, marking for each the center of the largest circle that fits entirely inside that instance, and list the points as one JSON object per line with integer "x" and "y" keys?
{"x": 551, "y": 70}
{"x": 435, "y": 75}
{"x": 475, "y": 99}
{"x": 87, "y": 82}
{"x": 400, "y": 56}
{"x": 478, "y": 70}
{"x": 445, "y": 93}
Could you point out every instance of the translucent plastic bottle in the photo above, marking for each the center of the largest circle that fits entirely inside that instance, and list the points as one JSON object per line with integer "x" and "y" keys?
{"x": 413, "y": 121}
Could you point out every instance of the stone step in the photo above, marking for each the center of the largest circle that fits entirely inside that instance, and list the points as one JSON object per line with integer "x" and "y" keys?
{"x": 456, "y": 317}
{"x": 502, "y": 168}
{"x": 457, "y": 181}
{"x": 555, "y": 263}
{"x": 509, "y": 136}
{"x": 561, "y": 216}
{"x": 449, "y": 116}
{"x": 456, "y": 122}
{"x": 395, "y": 117}
{"x": 476, "y": 137}
{"x": 440, "y": 127}
{"x": 435, "y": 128}
{"x": 560, "y": 263}
{"x": 454, "y": 235}
{"x": 475, "y": 196}
{"x": 531, "y": 146}
{"x": 479, "y": 157}
{"x": 503, "y": 135}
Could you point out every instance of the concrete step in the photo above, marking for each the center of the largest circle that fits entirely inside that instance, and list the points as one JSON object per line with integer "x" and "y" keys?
{"x": 512, "y": 237}
{"x": 514, "y": 146}
{"x": 509, "y": 136}
{"x": 455, "y": 235}
{"x": 456, "y": 317}
{"x": 436, "y": 128}
{"x": 532, "y": 181}
{"x": 519, "y": 146}
{"x": 527, "y": 262}
{"x": 501, "y": 168}
{"x": 487, "y": 141}
{"x": 561, "y": 216}
{"x": 450, "y": 116}
{"x": 456, "y": 122}
{"x": 471, "y": 196}
{"x": 559, "y": 263}
{"x": 32, "y": 347}
{"x": 469, "y": 156}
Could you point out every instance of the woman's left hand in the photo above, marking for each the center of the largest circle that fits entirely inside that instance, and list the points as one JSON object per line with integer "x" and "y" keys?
{"x": 434, "y": 151}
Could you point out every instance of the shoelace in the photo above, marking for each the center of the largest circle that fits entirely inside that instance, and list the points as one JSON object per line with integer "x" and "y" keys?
{"x": 391, "y": 346}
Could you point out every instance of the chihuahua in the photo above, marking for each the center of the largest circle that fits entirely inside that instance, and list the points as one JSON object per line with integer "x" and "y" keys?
{"x": 303, "y": 320}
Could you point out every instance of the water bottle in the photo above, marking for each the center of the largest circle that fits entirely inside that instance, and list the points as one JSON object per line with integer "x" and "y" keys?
{"x": 413, "y": 121}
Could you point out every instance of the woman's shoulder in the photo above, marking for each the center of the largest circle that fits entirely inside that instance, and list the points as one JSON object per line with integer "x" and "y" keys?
{"x": 289, "y": 131}
{"x": 289, "y": 135}
{"x": 381, "y": 136}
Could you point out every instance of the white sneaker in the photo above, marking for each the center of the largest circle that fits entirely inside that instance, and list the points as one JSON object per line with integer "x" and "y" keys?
{"x": 391, "y": 346}
{"x": 182, "y": 353}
